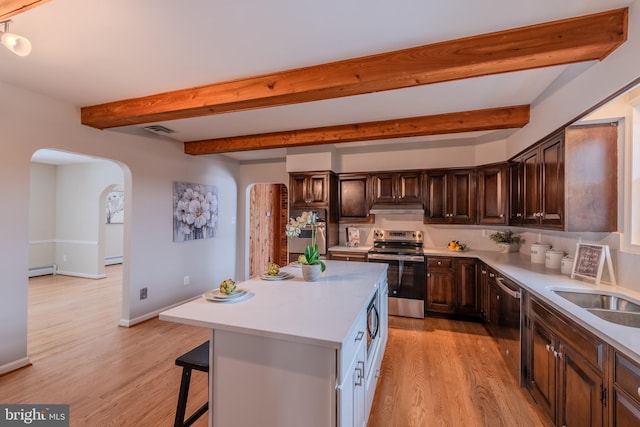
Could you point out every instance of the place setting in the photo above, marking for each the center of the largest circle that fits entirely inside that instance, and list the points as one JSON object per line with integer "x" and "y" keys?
{"x": 274, "y": 273}
{"x": 227, "y": 292}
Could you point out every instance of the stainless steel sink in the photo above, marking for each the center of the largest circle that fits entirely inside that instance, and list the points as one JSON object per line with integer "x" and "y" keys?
{"x": 612, "y": 308}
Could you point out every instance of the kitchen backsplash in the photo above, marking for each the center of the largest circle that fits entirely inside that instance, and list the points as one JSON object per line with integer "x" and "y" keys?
{"x": 477, "y": 238}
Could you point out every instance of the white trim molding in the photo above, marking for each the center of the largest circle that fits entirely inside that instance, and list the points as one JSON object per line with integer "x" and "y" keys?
{"x": 132, "y": 322}
{"x": 16, "y": 364}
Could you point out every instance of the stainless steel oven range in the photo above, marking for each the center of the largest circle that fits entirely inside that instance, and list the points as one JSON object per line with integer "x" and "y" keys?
{"x": 402, "y": 250}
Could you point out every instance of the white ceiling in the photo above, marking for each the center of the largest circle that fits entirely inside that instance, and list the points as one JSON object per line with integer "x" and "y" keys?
{"x": 87, "y": 52}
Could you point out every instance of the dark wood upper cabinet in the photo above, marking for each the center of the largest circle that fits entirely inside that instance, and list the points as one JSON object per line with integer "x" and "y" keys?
{"x": 540, "y": 182}
{"x": 492, "y": 194}
{"x": 577, "y": 165}
{"x": 354, "y": 198}
{"x": 309, "y": 190}
{"x": 591, "y": 177}
{"x": 397, "y": 187}
{"x": 450, "y": 197}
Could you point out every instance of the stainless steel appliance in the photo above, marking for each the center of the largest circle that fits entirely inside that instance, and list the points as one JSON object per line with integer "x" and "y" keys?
{"x": 373, "y": 328}
{"x": 508, "y": 307}
{"x": 298, "y": 244}
{"x": 402, "y": 250}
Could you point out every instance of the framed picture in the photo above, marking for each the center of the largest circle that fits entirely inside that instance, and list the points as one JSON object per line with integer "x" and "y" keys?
{"x": 590, "y": 260}
{"x": 114, "y": 208}
{"x": 195, "y": 211}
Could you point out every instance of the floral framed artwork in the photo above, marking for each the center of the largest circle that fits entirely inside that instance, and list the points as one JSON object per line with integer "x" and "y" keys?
{"x": 114, "y": 208}
{"x": 195, "y": 211}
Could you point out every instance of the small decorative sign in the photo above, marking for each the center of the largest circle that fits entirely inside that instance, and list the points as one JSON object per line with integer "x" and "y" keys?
{"x": 590, "y": 260}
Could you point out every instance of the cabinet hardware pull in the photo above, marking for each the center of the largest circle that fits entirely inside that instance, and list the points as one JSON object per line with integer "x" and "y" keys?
{"x": 639, "y": 391}
{"x": 548, "y": 347}
{"x": 360, "y": 372}
{"x": 505, "y": 288}
{"x": 555, "y": 354}
{"x": 360, "y": 335}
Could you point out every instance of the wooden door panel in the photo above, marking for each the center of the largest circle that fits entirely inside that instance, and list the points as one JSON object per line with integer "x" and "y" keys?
{"x": 542, "y": 384}
{"x": 353, "y": 198}
{"x": 384, "y": 190}
{"x": 591, "y": 176}
{"x": 462, "y": 197}
{"x": 468, "y": 297}
{"x": 410, "y": 187}
{"x": 318, "y": 189}
{"x": 581, "y": 388}
{"x": 516, "y": 193}
{"x": 440, "y": 291}
{"x": 531, "y": 190}
{"x": 435, "y": 211}
{"x": 492, "y": 195}
{"x": 552, "y": 164}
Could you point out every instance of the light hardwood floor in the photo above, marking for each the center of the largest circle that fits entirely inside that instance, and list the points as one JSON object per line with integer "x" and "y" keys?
{"x": 435, "y": 372}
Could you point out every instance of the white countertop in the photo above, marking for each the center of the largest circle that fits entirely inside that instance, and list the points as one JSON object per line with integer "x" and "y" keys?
{"x": 320, "y": 313}
{"x": 540, "y": 281}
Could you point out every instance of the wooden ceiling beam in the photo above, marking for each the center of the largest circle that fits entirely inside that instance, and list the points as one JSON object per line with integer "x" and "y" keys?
{"x": 586, "y": 38}
{"x": 467, "y": 121}
{"x": 9, "y": 8}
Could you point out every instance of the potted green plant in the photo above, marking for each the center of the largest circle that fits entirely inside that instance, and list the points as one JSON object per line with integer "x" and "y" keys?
{"x": 312, "y": 265}
{"x": 507, "y": 240}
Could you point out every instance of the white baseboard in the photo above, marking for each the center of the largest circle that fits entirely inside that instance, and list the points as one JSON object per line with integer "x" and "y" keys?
{"x": 131, "y": 322}
{"x": 76, "y": 274}
{"x": 17, "y": 364}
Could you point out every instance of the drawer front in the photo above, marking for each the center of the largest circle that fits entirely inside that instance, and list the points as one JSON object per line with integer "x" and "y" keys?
{"x": 626, "y": 375}
{"x": 357, "y": 337}
{"x": 588, "y": 346}
{"x": 438, "y": 262}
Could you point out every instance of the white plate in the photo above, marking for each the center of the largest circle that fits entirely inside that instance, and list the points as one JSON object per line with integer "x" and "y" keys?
{"x": 295, "y": 264}
{"x": 216, "y": 295}
{"x": 282, "y": 275}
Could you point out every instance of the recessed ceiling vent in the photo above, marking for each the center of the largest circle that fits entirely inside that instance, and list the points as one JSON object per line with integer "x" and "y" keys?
{"x": 158, "y": 130}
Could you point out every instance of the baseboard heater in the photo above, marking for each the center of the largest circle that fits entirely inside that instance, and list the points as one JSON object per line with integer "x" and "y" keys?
{"x": 113, "y": 260}
{"x": 41, "y": 271}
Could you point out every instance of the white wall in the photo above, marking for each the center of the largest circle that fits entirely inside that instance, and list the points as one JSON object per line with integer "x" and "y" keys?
{"x": 80, "y": 216}
{"x": 42, "y": 215}
{"x": 30, "y": 122}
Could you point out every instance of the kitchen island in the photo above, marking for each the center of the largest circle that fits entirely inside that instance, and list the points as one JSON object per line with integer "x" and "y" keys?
{"x": 292, "y": 353}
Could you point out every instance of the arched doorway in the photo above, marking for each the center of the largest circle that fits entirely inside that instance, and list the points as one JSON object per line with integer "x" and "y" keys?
{"x": 268, "y": 216}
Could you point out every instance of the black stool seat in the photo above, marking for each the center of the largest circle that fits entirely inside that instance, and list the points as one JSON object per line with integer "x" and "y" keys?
{"x": 198, "y": 359}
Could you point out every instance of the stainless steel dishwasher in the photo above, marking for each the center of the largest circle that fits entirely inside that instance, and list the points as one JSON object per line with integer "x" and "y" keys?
{"x": 508, "y": 298}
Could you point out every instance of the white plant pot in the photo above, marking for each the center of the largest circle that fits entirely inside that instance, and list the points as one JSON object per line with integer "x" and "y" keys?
{"x": 311, "y": 273}
{"x": 508, "y": 247}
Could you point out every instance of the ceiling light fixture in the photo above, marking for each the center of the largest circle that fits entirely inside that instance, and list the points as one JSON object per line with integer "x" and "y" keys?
{"x": 19, "y": 45}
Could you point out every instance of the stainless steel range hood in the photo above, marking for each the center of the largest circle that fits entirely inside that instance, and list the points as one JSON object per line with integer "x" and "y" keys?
{"x": 397, "y": 209}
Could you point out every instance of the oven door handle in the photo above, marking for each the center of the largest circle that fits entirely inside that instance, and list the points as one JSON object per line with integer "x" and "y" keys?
{"x": 388, "y": 257}
{"x": 374, "y": 334}
{"x": 505, "y": 288}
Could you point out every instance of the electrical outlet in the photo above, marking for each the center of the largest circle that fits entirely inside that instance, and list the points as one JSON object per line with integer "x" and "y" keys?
{"x": 143, "y": 293}
{"x": 186, "y": 280}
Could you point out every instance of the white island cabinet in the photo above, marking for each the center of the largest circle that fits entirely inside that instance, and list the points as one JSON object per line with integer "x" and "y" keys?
{"x": 294, "y": 353}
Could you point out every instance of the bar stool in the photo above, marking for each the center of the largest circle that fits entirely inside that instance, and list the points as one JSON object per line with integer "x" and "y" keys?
{"x": 198, "y": 359}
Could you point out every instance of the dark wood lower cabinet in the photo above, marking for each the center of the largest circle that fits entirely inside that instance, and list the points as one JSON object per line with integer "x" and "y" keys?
{"x": 467, "y": 295}
{"x": 566, "y": 369}
{"x": 348, "y": 256}
{"x": 440, "y": 283}
{"x": 625, "y": 405}
{"x": 582, "y": 395}
{"x": 452, "y": 286}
